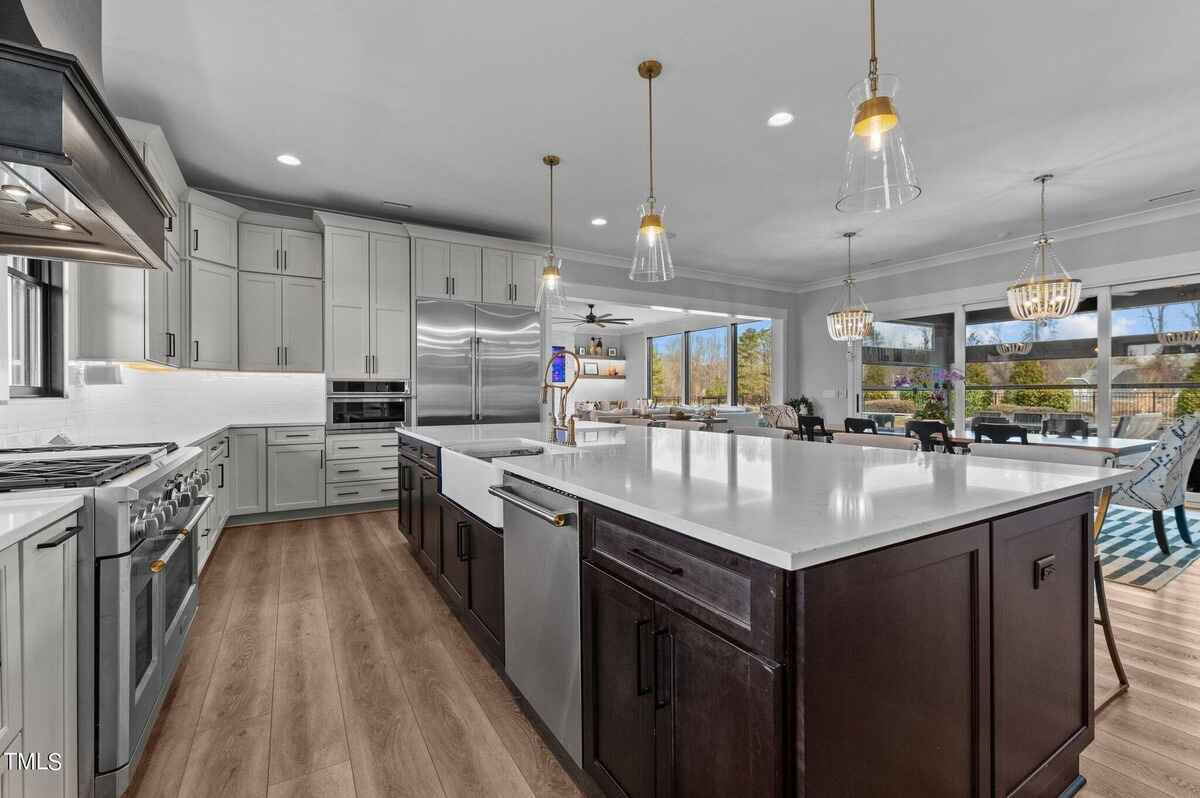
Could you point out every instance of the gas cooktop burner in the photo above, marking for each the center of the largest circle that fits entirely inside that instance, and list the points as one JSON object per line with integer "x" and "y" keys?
{"x": 22, "y": 469}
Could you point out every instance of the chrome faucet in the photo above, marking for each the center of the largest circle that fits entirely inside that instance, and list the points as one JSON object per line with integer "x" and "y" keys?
{"x": 560, "y": 421}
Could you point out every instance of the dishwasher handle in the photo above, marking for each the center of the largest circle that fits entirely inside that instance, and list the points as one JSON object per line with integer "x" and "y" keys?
{"x": 551, "y": 517}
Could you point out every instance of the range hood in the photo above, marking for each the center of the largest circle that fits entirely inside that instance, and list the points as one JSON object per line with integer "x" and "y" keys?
{"x": 72, "y": 186}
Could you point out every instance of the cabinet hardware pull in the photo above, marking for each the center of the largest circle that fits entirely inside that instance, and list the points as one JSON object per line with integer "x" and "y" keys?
{"x": 197, "y": 357}
{"x": 349, "y": 470}
{"x": 388, "y": 490}
{"x": 170, "y": 344}
{"x": 195, "y": 240}
{"x": 367, "y": 364}
{"x": 662, "y": 669}
{"x": 673, "y": 570}
{"x": 374, "y": 364}
{"x": 461, "y": 543}
{"x": 514, "y": 292}
{"x": 285, "y": 356}
{"x": 321, "y": 467}
{"x": 637, "y": 634}
{"x": 296, "y": 435}
{"x": 285, "y": 260}
{"x": 349, "y": 493}
{"x": 447, "y": 279}
{"x": 276, "y": 356}
{"x": 222, "y": 467}
{"x": 453, "y": 290}
{"x": 62, "y": 538}
{"x": 390, "y": 468}
{"x": 348, "y": 448}
{"x": 276, "y": 260}
{"x": 389, "y": 446}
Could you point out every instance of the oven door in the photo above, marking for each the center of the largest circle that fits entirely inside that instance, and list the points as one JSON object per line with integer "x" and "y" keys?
{"x": 129, "y": 651}
{"x": 367, "y": 412}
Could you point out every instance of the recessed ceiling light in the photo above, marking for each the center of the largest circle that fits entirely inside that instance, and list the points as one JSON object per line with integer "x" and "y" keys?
{"x": 667, "y": 309}
{"x": 708, "y": 313}
{"x": 287, "y": 159}
{"x": 599, "y": 221}
{"x": 64, "y": 227}
{"x": 780, "y": 119}
{"x": 17, "y": 193}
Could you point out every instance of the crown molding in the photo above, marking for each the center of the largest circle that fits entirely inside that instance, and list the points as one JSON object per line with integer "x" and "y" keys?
{"x": 1178, "y": 210}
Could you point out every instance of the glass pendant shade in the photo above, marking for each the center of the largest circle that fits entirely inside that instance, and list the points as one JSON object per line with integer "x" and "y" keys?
{"x": 652, "y": 252}
{"x": 1048, "y": 292}
{"x": 1182, "y": 338}
{"x": 551, "y": 293}
{"x": 1015, "y": 348}
{"x": 879, "y": 174}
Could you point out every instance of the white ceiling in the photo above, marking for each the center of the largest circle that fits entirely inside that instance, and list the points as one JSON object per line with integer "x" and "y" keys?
{"x": 450, "y": 106}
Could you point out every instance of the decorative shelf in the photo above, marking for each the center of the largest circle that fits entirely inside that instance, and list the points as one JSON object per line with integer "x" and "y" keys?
{"x": 601, "y": 377}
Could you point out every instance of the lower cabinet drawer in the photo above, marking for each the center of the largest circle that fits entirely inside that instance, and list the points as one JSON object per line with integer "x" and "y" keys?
{"x": 382, "y": 444}
{"x": 278, "y": 435}
{"x": 360, "y": 470}
{"x": 358, "y": 492}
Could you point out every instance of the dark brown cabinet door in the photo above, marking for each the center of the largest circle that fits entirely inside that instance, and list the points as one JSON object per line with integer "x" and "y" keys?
{"x": 454, "y": 566}
{"x": 431, "y": 521}
{"x": 408, "y": 501}
{"x": 618, "y": 691}
{"x": 719, "y": 726}
{"x": 895, "y": 697}
{"x": 485, "y": 591}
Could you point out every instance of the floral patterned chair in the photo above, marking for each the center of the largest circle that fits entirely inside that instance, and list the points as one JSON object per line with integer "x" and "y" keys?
{"x": 1157, "y": 483}
{"x": 782, "y": 417}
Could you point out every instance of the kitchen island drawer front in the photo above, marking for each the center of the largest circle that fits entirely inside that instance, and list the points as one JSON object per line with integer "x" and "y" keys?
{"x": 217, "y": 446}
{"x": 288, "y": 435}
{"x": 359, "y": 492}
{"x": 360, "y": 470}
{"x": 340, "y": 447}
{"x": 739, "y": 597}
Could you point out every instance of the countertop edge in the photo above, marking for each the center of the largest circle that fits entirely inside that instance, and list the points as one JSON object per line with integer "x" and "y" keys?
{"x": 44, "y": 511}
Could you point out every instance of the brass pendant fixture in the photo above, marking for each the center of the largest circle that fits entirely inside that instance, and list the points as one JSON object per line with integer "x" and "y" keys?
{"x": 1044, "y": 290}
{"x": 852, "y": 321}
{"x": 879, "y": 173}
{"x": 651, "y": 254}
{"x": 551, "y": 293}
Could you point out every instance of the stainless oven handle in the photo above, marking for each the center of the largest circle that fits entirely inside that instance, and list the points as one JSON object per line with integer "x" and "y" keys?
{"x": 161, "y": 562}
{"x": 506, "y": 494}
{"x": 194, "y": 519}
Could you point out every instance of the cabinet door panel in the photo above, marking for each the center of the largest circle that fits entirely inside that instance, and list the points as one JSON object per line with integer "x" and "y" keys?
{"x": 303, "y": 348}
{"x": 452, "y": 573}
{"x": 428, "y": 551}
{"x": 303, "y": 253}
{"x": 485, "y": 588}
{"x": 391, "y": 298}
{"x": 465, "y": 265}
{"x": 497, "y": 276}
{"x": 527, "y": 270}
{"x": 213, "y": 236}
{"x": 214, "y": 312}
{"x": 174, "y": 320}
{"x": 433, "y": 268}
{"x": 618, "y": 694}
{"x": 259, "y": 248}
{"x": 347, "y": 303}
{"x": 260, "y": 312}
{"x": 10, "y": 645}
{"x": 719, "y": 727}
{"x": 248, "y": 471}
{"x": 295, "y": 476}
{"x": 158, "y": 344}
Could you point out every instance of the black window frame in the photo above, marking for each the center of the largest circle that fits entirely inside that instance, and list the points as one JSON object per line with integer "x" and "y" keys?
{"x": 47, "y": 275}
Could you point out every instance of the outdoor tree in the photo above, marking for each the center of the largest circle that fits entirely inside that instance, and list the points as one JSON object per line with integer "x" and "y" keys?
{"x": 753, "y": 365}
{"x": 977, "y": 400}
{"x": 1189, "y": 398}
{"x": 1030, "y": 372}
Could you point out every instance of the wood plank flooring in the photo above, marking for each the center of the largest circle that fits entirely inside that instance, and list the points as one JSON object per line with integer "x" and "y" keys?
{"x": 321, "y": 665}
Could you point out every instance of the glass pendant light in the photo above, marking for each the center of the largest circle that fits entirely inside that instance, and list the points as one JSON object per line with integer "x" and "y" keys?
{"x": 551, "y": 293}
{"x": 1015, "y": 348}
{"x": 852, "y": 321}
{"x": 1044, "y": 290}
{"x": 879, "y": 174}
{"x": 652, "y": 253}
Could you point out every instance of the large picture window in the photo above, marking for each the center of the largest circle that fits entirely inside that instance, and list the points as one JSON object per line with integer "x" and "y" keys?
{"x": 34, "y": 335}
{"x": 752, "y": 362}
{"x": 708, "y": 366}
{"x": 905, "y": 370}
{"x": 1155, "y": 356}
{"x": 713, "y": 366}
{"x": 665, "y": 368}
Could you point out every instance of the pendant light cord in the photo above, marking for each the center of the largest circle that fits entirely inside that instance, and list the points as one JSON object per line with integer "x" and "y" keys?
{"x": 873, "y": 64}
{"x": 650, "y": 106}
{"x": 1042, "y": 242}
{"x": 849, "y": 274}
{"x": 551, "y": 209}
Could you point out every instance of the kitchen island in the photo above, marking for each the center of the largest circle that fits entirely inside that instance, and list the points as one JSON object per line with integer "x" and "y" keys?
{"x": 785, "y": 618}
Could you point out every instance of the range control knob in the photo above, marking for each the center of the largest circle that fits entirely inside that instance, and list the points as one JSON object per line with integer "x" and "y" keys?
{"x": 172, "y": 507}
{"x": 145, "y": 526}
{"x": 204, "y": 477}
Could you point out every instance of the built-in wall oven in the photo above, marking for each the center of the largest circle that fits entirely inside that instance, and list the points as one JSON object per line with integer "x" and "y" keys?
{"x": 367, "y": 405}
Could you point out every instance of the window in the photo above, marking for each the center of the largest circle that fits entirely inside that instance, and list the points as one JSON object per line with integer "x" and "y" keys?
{"x": 752, "y": 375}
{"x": 905, "y": 364}
{"x": 665, "y": 369}
{"x": 708, "y": 366}
{"x": 35, "y": 329}
{"x": 1156, "y": 352}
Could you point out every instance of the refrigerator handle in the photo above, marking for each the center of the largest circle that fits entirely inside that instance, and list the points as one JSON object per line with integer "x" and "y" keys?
{"x": 474, "y": 378}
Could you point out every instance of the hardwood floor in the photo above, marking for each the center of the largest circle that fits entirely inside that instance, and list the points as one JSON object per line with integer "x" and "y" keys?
{"x": 321, "y": 665}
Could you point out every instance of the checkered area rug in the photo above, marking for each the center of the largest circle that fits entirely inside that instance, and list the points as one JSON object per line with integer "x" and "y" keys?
{"x": 1130, "y": 554}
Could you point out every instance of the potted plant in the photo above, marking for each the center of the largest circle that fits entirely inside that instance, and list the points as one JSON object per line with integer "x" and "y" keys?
{"x": 802, "y": 405}
{"x": 932, "y": 399}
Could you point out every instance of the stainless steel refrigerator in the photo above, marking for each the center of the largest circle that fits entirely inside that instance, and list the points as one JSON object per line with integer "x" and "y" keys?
{"x": 477, "y": 364}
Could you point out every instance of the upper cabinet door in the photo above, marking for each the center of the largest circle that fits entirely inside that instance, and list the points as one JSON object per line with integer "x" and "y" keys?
{"x": 525, "y": 273}
{"x": 497, "y": 276}
{"x": 174, "y": 328}
{"x": 155, "y": 167}
{"x": 302, "y": 327}
{"x": 259, "y": 248}
{"x": 214, "y": 310}
{"x": 391, "y": 297}
{"x": 433, "y": 268}
{"x": 158, "y": 342}
{"x": 260, "y": 322}
{"x": 212, "y": 236}
{"x": 302, "y": 253}
{"x": 347, "y": 304}
{"x": 465, "y": 266}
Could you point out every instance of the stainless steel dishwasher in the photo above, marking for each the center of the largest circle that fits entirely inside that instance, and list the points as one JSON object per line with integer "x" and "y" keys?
{"x": 541, "y": 605}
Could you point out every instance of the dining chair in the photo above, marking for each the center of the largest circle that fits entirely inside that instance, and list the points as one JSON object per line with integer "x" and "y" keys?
{"x": 1000, "y": 433}
{"x": 931, "y": 434}
{"x": 1065, "y": 427}
{"x": 762, "y": 432}
{"x": 876, "y": 440}
{"x": 811, "y": 427}
{"x": 1158, "y": 482}
{"x": 673, "y": 424}
{"x": 1076, "y": 456}
{"x": 782, "y": 417}
{"x": 885, "y": 420}
{"x": 1030, "y": 421}
{"x": 1139, "y": 425}
{"x": 861, "y": 425}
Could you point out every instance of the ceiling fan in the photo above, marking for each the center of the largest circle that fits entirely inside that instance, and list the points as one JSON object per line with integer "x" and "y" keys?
{"x": 603, "y": 320}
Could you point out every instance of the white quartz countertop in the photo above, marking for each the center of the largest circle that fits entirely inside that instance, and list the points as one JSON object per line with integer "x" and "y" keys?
{"x": 183, "y": 432}
{"x": 21, "y": 517}
{"x": 791, "y": 504}
{"x": 587, "y": 433}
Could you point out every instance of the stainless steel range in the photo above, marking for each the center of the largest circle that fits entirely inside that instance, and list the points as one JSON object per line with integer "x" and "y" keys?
{"x": 138, "y": 591}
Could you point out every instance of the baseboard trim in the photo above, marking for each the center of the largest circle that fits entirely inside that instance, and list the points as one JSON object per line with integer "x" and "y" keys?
{"x": 313, "y": 512}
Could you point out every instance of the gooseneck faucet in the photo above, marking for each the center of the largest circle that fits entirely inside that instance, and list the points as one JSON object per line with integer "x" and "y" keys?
{"x": 560, "y": 421}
